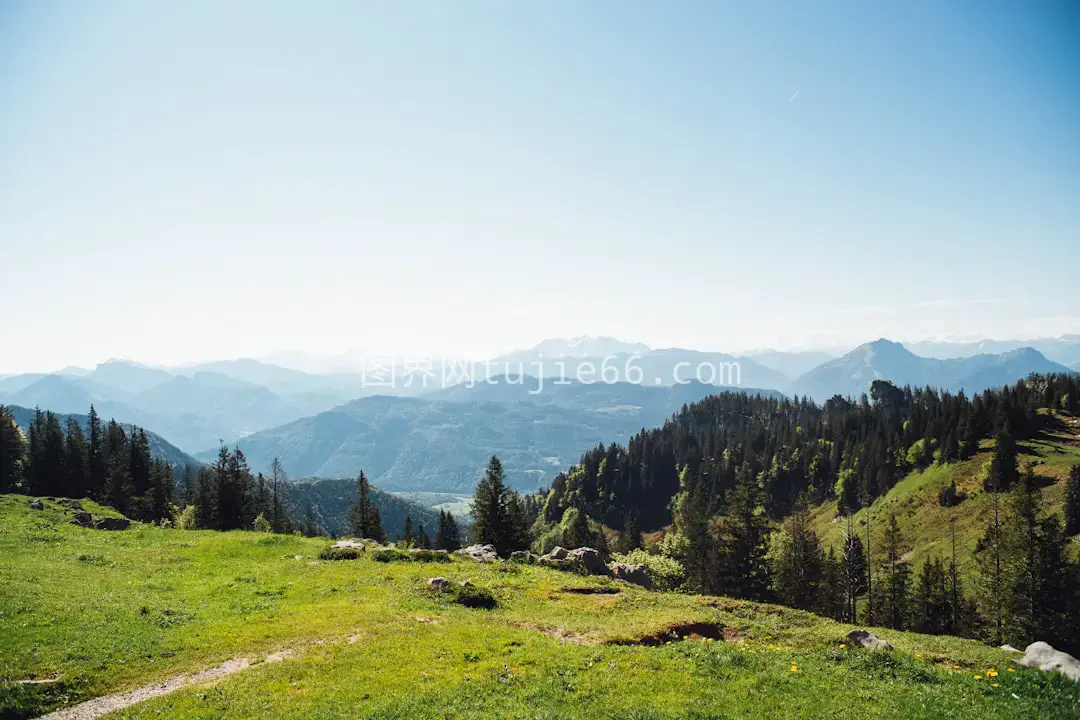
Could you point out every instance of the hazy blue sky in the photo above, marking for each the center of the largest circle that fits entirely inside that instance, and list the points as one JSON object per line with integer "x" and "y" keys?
{"x": 205, "y": 179}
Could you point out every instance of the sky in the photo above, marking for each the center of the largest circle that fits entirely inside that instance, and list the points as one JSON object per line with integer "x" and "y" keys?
{"x": 216, "y": 179}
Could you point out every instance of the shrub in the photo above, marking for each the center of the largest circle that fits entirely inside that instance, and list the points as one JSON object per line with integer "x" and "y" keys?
{"x": 187, "y": 519}
{"x": 340, "y": 553}
{"x": 666, "y": 573}
{"x": 261, "y": 524}
{"x": 390, "y": 555}
{"x": 424, "y": 555}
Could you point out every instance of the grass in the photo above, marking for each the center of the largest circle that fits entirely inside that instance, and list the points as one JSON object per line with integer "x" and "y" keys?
{"x": 107, "y": 612}
{"x": 926, "y": 526}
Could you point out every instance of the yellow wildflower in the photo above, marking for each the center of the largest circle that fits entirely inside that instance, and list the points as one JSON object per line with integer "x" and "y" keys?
{"x": 996, "y": 685}
{"x": 978, "y": 677}
{"x": 1011, "y": 670}
{"x": 843, "y": 645}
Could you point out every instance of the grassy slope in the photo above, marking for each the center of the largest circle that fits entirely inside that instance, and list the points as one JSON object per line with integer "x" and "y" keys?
{"x": 925, "y": 524}
{"x": 110, "y": 611}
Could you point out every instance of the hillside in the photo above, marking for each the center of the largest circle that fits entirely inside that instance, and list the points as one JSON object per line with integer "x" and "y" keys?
{"x": 159, "y": 446}
{"x": 927, "y": 526}
{"x": 279, "y": 633}
{"x": 439, "y": 443}
{"x": 330, "y": 500}
{"x": 851, "y": 374}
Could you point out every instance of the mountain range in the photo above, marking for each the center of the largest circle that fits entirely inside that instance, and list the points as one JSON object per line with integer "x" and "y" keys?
{"x": 852, "y": 373}
{"x": 543, "y": 408}
{"x": 159, "y": 447}
{"x": 442, "y": 442}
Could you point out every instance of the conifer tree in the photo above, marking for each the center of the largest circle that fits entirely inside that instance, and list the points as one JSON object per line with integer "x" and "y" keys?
{"x": 498, "y": 515}
{"x": 447, "y": 534}
{"x": 278, "y": 496}
{"x": 423, "y": 540}
{"x": 12, "y": 449}
{"x": 407, "y": 538}
{"x": 76, "y": 461}
{"x": 853, "y": 574}
{"x": 745, "y": 549}
{"x": 118, "y": 486}
{"x": 95, "y": 452}
{"x": 691, "y": 511}
{"x": 363, "y": 518}
{"x": 896, "y": 579}
{"x": 796, "y": 560}
{"x": 1072, "y": 502}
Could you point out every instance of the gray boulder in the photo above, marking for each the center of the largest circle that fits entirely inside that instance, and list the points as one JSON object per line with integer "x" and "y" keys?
{"x": 37, "y": 505}
{"x": 636, "y": 574}
{"x": 591, "y": 560}
{"x": 558, "y": 553}
{"x": 83, "y": 519}
{"x": 866, "y": 639}
{"x": 479, "y": 553}
{"x": 112, "y": 524}
{"x": 559, "y": 563}
{"x": 438, "y": 583}
{"x": 1043, "y": 656}
{"x": 523, "y": 556}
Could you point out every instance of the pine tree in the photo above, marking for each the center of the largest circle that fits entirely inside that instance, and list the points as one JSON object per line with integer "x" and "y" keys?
{"x": 363, "y": 518}
{"x": 12, "y": 449}
{"x": 745, "y": 549}
{"x": 423, "y": 539}
{"x": 1003, "y": 469}
{"x": 631, "y": 538}
{"x": 498, "y": 515}
{"x": 206, "y": 498}
{"x": 118, "y": 487}
{"x": 310, "y": 527}
{"x": 990, "y": 553}
{"x": 95, "y": 452}
{"x": 161, "y": 490}
{"x": 447, "y": 535}
{"x": 1072, "y": 502}
{"x": 796, "y": 560}
{"x": 407, "y": 538}
{"x": 279, "y": 480}
{"x": 853, "y": 573}
{"x": 896, "y": 579}
{"x": 930, "y": 604}
{"x": 691, "y": 511}
{"x": 76, "y": 461}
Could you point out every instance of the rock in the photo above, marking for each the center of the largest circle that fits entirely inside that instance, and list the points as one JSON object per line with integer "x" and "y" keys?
{"x": 523, "y": 556}
{"x": 558, "y": 553}
{"x": 1009, "y": 648}
{"x": 558, "y": 564}
{"x": 37, "y": 505}
{"x": 636, "y": 574}
{"x": 438, "y": 583}
{"x": 869, "y": 640}
{"x": 591, "y": 560}
{"x": 83, "y": 519}
{"x": 112, "y": 524}
{"x": 341, "y": 544}
{"x": 1043, "y": 656}
{"x": 479, "y": 553}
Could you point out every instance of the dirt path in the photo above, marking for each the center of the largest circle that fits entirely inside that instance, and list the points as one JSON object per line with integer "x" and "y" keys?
{"x": 103, "y": 705}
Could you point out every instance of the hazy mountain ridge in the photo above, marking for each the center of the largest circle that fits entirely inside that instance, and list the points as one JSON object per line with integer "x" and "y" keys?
{"x": 159, "y": 446}
{"x": 852, "y": 373}
{"x": 442, "y": 443}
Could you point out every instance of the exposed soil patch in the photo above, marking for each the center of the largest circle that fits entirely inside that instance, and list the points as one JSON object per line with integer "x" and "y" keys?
{"x": 97, "y": 707}
{"x": 681, "y": 631}
{"x": 561, "y": 634}
{"x": 591, "y": 590}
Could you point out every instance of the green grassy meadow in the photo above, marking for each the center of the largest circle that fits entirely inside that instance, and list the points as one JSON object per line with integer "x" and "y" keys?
{"x": 101, "y": 612}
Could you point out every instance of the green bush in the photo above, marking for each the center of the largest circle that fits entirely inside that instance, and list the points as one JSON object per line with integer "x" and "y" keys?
{"x": 666, "y": 573}
{"x": 345, "y": 553}
{"x": 423, "y": 555}
{"x": 390, "y": 555}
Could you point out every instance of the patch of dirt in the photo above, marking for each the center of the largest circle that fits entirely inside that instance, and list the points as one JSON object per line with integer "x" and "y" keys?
{"x": 561, "y": 634}
{"x": 591, "y": 590}
{"x": 681, "y": 631}
{"x": 732, "y": 635}
{"x": 98, "y": 707}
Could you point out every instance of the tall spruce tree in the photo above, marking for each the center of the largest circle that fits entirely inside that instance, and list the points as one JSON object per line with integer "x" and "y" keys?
{"x": 12, "y": 450}
{"x": 498, "y": 516}
{"x": 447, "y": 534}
{"x": 95, "y": 454}
{"x": 1072, "y": 502}
{"x": 746, "y": 545}
{"x": 895, "y": 579}
{"x": 76, "y": 461}
{"x": 853, "y": 573}
{"x": 691, "y": 511}
{"x": 797, "y": 560}
{"x": 363, "y": 518}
